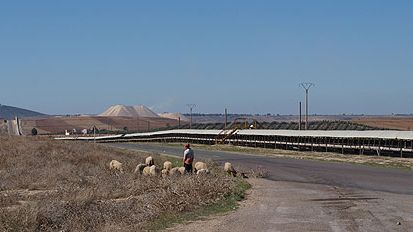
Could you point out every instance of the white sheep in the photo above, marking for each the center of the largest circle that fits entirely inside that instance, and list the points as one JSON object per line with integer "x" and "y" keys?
{"x": 164, "y": 172}
{"x": 181, "y": 170}
{"x": 174, "y": 171}
{"x": 139, "y": 168}
{"x": 154, "y": 171}
{"x": 146, "y": 171}
{"x": 202, "y": 172}
{"x": 230, "y": 169}
{"x": 167, "y": 165}
{"x": 151, "y": 171}
{"x": 116, "y": 166}
{"x": 149, "y": 161}
{"x": 200, "y": 165}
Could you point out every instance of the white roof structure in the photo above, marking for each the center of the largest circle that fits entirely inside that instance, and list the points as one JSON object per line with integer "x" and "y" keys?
{"x": 382, "y": 134}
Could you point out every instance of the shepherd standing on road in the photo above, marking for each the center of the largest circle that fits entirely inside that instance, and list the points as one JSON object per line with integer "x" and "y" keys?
{"x": 188, "y": 158}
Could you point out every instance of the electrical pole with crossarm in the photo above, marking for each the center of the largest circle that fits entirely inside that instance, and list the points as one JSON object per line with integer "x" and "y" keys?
{"x": 306, "y": 86}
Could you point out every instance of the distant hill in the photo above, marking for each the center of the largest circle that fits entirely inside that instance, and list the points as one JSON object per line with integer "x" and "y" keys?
{"x": 9, "y": 112}
{"x": 129, "y": 111}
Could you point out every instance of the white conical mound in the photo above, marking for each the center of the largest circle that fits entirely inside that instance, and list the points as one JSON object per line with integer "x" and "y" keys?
{"x": 175, "y": 116}
{"x": 129, "y": 111}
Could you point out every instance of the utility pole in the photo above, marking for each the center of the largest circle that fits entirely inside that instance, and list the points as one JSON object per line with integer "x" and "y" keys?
{"x": 191, "y": 107}
{"x": 306, "y": 86}
{"x": 226, "y": 118}
{"x": 94, "y": 133}
{"x": 299, "y": 112}
{"x": 137, "y": 123}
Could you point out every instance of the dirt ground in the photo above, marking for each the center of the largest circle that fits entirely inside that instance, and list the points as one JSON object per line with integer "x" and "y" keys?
{"x": 62, "y": 123}
{"x": 398, "y": 123}
{"x": 292, "y": 206}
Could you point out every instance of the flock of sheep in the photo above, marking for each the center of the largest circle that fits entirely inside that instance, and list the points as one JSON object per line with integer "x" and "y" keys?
{"x": 150, "y": 169}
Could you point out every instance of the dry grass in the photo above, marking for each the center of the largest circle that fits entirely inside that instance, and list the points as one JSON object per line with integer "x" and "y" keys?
{"x": 67, "y": 186}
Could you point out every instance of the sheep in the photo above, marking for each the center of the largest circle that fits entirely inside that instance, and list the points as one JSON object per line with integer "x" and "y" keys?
{"x": 139, "y": 168}
{"x": 167, "y": 165}
{"x": 149, "y": 161}
{"x": 174, "y": 171}
{"x": 154, "y": 171}
{"x": 164, "y": 173}
{"x": 202, "y": 172}
{"x": 200, "y": 165}
{"x": 116, "y": 166}
{"x": 151, "y": 171}
{"x": 229, "y": 169}
{"x": 181, "y": 170}
{"x": 146, "y": 171}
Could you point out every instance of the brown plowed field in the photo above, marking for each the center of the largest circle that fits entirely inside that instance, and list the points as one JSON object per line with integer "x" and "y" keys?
{"x": 59, "y": 124}
{"x": 398, "y": 123}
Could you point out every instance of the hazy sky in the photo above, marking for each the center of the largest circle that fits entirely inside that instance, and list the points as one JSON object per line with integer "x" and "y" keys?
{"x": 61, "y": 57}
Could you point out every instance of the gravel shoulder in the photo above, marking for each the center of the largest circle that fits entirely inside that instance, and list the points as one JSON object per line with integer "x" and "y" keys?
{"x": 290, "y": 206}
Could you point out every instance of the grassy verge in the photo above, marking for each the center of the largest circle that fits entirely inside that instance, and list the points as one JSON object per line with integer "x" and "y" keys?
{"x": 229, "y": 203}
{"x": 375, "y": 161}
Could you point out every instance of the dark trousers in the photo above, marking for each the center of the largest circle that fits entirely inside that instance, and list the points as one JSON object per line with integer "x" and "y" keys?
{"x": 188, "y": 168}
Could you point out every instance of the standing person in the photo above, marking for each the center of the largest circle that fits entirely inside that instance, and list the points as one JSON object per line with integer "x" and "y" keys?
{"x": 188, "y": 158}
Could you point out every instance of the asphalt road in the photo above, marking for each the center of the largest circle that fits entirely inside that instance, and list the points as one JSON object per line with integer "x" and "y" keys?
{"x": 304, "y": 171}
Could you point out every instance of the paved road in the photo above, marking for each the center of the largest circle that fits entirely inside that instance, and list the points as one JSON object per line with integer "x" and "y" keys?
{"x": 306, "y": 171}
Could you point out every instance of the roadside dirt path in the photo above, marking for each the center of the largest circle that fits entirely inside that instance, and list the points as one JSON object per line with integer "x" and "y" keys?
{"x": 292, "y": 206}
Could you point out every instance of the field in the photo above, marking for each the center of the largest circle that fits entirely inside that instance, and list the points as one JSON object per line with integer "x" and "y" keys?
{"x": 58, "y": 125}
{"x": 50, "y": 185}
{"x": 313, "y": 125}
{"x": 397, "y": 123}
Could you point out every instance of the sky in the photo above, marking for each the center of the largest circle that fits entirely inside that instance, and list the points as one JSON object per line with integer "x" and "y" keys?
{"x": 70, "y": 57}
